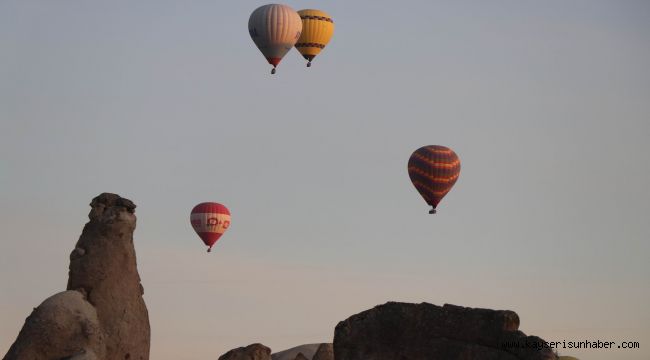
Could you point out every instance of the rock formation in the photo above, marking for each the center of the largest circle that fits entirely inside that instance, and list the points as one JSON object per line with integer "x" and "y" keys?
{"x": 308, "y": 350}
{"x": 428, "y": 332}
{"x": 325, "y": 352}
{"x": 250, "y": 352}
{"x": 300, "y": 356}
{"x": 65, "y": 324}
{"x": 103, "y": 265}
{"x": 103, "y": 314}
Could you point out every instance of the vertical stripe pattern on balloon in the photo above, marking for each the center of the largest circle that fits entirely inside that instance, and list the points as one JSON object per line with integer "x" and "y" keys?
{"x": 275, "y": 29}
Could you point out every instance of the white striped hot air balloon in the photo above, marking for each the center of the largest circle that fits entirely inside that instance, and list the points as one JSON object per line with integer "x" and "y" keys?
{"x": 275, "y": 29}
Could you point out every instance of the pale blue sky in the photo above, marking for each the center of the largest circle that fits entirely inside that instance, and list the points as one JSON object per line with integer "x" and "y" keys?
{"x": 169, "y": 103}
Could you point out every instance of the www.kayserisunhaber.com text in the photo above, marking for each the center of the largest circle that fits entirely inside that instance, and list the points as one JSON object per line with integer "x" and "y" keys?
{"x": 586, "y": 344}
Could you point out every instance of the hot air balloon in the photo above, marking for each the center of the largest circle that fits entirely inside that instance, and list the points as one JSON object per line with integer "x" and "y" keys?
{"x": 433, "y": 170}
{"x": 210, "y": 220}
{"x": 275, "y": 29}
{"x": 317, "y": 30}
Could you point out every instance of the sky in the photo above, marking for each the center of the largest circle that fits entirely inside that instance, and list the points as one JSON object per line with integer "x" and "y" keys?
{"x": 170, "y": 104}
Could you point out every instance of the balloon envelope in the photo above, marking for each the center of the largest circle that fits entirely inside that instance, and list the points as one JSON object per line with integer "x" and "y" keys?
{"x": 275, "y": 29}
{"x": 433, "y": 170}
{"x": 317, "y": 30}
{"x": 210, "y": 220}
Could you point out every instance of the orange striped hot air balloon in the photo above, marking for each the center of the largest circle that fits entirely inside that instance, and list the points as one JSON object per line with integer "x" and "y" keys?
{"x": 433, "y": 170}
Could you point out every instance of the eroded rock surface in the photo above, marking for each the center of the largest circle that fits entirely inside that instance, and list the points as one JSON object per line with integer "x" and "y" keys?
{"x": 429, "y": 332}
{"x": 308, "y": 350}
{"x": 63, "y": 325}
{"x": 300, "y": 356}
{"x": 325, "y": 352}
{"x": 250, "y": 352}
{"x": 103, "y": 314}
{"x": 103, "y": 265}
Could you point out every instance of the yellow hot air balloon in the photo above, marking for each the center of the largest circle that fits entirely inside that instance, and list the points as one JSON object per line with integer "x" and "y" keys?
{"x": 275, "y": 29}
{"x": 317, "y": 30}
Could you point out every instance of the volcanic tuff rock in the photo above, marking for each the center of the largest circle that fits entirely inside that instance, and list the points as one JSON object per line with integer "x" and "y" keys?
{"x": 250, "y": 352}
{"x": 103, "y": 265}
{"x": 290, "y": 354}
{"x": 300, "y": 356}
{"x": 103, "y": 314}
{"x": 64, "y": 324}
{"x": 429, "y": 332}
{"x": 324, "y": 352}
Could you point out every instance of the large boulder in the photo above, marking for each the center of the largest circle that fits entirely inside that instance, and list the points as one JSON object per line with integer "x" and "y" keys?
{"x": 63, "y": 325}
{"x": 103, "y": 314}
{"x": 250, "y": 352}
{"x": 325, "y": 352}
{"x": 428, "y": 332}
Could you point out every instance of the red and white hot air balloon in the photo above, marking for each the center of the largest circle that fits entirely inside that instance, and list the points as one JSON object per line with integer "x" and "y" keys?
{"x": 210, "y": 220}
